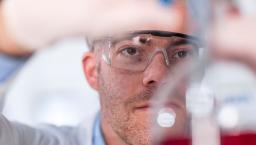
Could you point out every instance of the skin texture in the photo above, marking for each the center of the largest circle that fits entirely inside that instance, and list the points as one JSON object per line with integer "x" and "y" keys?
{"x": 123, "y": 93}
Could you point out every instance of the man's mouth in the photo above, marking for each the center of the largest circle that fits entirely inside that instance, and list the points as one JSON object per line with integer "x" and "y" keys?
{"x": 150, "y": 106}
{"x": 144, "y": 107}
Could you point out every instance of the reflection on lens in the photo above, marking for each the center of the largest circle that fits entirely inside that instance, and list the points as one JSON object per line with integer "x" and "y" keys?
{"x": 166, "y": 117}
{"x": 228, "y": 117}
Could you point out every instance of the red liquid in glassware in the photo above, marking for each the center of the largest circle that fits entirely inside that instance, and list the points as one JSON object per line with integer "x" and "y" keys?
{"x": 240, "y": 139}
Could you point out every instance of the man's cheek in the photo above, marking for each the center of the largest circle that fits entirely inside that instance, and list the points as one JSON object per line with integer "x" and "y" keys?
{"x": 127, "y": 82}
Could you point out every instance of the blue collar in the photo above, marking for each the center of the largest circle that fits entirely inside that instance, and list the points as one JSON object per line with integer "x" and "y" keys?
{"x": 98, "y": 138}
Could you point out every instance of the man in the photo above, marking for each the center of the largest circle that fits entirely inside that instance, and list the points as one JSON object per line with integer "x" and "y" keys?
{"x": 126, "y": 69}
{"x": 126, "y": 82}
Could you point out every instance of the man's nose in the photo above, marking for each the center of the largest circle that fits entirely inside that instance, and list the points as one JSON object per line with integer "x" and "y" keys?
{"x": 156, "y": 70}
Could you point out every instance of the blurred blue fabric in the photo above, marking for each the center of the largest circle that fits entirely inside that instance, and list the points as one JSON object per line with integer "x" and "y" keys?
{"x": 9, "y": 65}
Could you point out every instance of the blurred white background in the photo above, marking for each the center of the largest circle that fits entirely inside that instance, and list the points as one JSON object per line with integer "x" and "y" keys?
{"x": 51, "y": 87}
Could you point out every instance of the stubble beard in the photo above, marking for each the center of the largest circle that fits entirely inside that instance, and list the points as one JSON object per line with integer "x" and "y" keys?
{"x": 131, "y": 130}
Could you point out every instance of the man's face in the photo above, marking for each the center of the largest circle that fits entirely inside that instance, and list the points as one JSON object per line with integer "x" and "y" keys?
{"x": 126, "y": 95}
{"x": 126, "y": 99}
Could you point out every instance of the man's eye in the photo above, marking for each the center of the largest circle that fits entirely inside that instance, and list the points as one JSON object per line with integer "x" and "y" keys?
{"x": 130, "y": 51}
{"x": 183, "y": 54}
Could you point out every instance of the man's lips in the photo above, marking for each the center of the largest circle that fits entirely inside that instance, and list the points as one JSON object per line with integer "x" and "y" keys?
{"x": 143, "y": 107}
{"x": 146, "y": 106}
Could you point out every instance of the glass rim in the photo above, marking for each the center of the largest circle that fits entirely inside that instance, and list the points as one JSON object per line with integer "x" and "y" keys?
{"x": 158, "y": 33}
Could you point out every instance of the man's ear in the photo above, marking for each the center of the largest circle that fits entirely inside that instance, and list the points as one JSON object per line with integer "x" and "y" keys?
{"x": 90, "y": 69}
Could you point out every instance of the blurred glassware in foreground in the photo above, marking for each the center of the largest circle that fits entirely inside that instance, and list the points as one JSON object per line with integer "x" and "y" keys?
{"x": 221, "y": 106}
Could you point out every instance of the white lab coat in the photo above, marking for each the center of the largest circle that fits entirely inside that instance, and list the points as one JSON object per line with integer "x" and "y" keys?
{"x": 12, "y": 133}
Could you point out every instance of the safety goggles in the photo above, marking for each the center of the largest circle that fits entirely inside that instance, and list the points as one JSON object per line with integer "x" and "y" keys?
{"x": 134, "y": 51}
